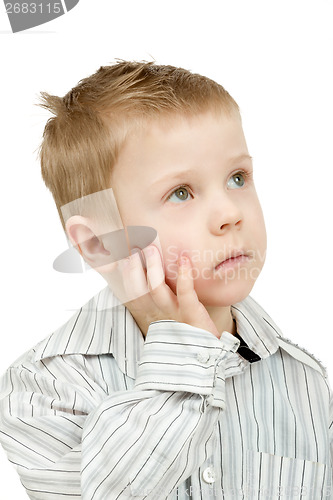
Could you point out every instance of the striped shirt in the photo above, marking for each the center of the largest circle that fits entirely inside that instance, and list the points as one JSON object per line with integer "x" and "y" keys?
{"x": 96, "y": 411}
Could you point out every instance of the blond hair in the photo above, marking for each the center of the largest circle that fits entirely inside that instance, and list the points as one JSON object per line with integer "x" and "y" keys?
{"x": 83, "y": 139}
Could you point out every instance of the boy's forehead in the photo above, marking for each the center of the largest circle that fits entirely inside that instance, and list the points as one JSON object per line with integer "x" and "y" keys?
{"x": 178, "y": 139}
{"x": 193, "y": 173}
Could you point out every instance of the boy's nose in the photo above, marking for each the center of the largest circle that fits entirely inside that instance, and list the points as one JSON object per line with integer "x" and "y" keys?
{"x": 224, "y": 216}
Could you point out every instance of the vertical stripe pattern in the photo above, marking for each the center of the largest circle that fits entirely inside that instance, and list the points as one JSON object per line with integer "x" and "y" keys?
{"x": 95, "y": 412}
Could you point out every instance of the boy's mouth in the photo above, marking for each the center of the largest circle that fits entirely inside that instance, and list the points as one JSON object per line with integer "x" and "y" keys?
{"x": 235, "y": 257}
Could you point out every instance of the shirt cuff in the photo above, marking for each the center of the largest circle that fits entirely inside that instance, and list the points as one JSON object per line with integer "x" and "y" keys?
{"x": 180, "y": 357}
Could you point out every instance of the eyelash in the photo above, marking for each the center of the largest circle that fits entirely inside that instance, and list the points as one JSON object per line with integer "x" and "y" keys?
{"x": 247, "y": 175}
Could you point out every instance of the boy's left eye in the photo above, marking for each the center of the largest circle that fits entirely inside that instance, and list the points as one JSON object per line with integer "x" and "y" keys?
{"x": 238, "y": 179}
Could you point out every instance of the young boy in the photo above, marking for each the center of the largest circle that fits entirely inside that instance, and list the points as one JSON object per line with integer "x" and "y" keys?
{"x": 179, "y": 385}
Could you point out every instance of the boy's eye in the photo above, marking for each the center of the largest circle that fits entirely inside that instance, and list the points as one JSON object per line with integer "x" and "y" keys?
{"x": 237, "y": 179}
{"x": 181, "y": 194}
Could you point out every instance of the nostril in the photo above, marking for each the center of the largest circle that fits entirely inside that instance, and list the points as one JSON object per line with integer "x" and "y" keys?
{"x": 237, "y": 225}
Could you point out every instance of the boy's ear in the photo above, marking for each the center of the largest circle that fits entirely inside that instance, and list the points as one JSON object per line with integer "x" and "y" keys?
{"x": 81, "y": 233}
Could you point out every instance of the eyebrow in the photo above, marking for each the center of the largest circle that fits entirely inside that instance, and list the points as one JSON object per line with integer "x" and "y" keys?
{"x": 178, "y": 175}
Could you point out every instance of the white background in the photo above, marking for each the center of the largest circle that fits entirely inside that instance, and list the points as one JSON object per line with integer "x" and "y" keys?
{"x": 274, "y": 57}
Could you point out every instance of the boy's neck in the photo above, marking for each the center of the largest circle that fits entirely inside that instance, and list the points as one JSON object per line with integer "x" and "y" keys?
{"x": 221, "y": 317}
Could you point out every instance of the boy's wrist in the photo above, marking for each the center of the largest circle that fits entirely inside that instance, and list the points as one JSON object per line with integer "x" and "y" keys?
{"x": 179, "y": 357}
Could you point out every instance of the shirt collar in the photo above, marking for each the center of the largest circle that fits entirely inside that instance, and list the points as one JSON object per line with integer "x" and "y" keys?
{"x": 105, "y": 326}
{"x": 102, "y": 326}
{"x": 256, "y": 327}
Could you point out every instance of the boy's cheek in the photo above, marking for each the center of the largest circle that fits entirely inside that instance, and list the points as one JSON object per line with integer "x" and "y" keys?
{"x": 171, "y": 254}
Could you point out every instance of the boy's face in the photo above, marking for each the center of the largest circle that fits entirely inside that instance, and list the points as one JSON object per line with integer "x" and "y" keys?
{"x": 217, "y": 210}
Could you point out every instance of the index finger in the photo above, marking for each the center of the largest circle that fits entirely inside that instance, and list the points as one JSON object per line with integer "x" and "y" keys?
{"x": 187, "y": 297}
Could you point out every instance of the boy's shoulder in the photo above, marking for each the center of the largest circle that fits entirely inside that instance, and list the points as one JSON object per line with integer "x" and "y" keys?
{"x": 301, "y": 354}
{"x": 87, "y": 331}
{"x": 102, "y": 326}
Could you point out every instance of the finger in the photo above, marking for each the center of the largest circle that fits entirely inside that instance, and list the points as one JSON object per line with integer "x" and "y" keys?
{"x": 155, "y": 273}
{"x": 161, "y": 293}
{"x": 139, "y": 252}
{"x": 107, "y": 268}
{"x": 133, "y": 276}
{"x": 186, "y": 295}
{"x": 191, "y": 310}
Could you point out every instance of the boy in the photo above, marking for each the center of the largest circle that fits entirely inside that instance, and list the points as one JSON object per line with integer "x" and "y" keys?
{"x": 178, "y": 384}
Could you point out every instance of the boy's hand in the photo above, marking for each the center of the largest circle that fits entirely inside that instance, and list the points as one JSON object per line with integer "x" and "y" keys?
{"x": 160, "y": 302}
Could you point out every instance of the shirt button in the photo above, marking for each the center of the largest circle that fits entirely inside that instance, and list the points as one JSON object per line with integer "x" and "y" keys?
{"x": 208, "y": 475}
{"x": 203, "y": 356}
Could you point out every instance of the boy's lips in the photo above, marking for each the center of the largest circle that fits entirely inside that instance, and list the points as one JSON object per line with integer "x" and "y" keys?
{"x": 234, "y": 257}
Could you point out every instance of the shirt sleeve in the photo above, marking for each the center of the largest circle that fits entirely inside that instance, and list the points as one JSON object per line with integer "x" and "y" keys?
{"x": 70, "y": 440}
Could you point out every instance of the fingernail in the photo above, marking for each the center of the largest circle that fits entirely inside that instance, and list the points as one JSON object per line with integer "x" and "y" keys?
{"x": 149, "y": 251}
{"x": 183, "y": 261}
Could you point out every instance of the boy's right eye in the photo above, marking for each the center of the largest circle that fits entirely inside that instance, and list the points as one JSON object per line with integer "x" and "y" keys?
{"x": 181, "y": 193}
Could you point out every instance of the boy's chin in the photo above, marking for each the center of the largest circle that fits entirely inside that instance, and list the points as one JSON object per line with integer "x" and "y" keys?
{"x": 229, "y": 294}
{"x": 219, "y": 293}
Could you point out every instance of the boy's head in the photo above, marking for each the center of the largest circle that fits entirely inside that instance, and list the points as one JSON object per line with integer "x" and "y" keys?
{"x": 132, "y": 124}
{"x": 82, "y": 141}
